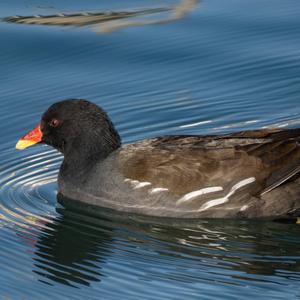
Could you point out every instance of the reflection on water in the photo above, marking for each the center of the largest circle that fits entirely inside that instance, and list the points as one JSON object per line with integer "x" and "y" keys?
{"x": 70, "y": 250}
{"x": 75, "y": 248}
{"x": 109, "y": 21}
{"x": 207, "y": 67}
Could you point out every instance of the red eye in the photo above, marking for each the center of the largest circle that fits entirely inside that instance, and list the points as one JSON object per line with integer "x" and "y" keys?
{"x": 54, "y": 123}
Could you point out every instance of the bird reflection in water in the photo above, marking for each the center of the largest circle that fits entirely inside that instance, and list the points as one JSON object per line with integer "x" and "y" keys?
{"x": 75, "y": 248}
{"x": 71, "y": 249}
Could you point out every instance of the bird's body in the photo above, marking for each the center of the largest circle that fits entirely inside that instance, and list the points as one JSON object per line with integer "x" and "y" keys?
{"x": 246, "y": 174}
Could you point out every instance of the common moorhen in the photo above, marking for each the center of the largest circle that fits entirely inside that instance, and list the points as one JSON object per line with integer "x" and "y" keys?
{"x": 245, "y": 174}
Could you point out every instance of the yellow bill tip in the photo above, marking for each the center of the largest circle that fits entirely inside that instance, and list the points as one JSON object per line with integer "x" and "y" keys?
{"x": 22, "y": 144}
{"x": 31, "y": 138}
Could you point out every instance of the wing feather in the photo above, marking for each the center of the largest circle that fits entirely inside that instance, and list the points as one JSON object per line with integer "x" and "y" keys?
{"x": 184, "y": 164}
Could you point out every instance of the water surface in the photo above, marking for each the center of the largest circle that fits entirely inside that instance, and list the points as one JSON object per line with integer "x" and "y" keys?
{"x": 156, "y": 68}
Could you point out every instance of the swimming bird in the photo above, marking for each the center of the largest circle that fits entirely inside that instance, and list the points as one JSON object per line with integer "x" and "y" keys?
{"x": 248, "y": 174}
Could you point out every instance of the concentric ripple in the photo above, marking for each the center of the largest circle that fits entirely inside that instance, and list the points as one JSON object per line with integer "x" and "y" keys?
{"x": 28, "y": 187}
{"x": 96, "y": 252}
{"x": 215, "y": 67}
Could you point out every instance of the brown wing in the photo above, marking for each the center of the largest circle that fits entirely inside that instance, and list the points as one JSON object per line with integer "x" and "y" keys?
{"x": 280, "y": 155}
{"x": 186, "y": 163}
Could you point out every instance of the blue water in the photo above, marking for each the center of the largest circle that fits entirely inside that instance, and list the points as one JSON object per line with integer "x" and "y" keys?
{"x": 222, "y": 66}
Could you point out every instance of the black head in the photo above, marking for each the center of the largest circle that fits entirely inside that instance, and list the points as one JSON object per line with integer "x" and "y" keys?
{"x": 77, "y": 128}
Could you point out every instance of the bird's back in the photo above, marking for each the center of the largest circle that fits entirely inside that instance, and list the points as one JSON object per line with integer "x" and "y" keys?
{"x": 245, "y": 174}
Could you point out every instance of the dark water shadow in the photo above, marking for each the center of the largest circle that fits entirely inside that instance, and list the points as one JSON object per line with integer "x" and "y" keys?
{"x": 70, "y": 250}
{"x": 74, "y": 250}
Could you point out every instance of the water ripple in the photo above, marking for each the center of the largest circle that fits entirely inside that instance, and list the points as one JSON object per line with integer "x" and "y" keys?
{"x": 222, "y": 67}
{"x": 76, "y": 248}
{"x": 28, "y": 189}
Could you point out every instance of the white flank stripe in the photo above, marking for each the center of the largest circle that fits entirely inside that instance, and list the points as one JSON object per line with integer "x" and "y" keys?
{"x": 141, "y": 184}
{"x": 137, "y": 184}
{"x": 134, "y": 182}
{"x": 222, "y": 200}
{"x": 244, "y": 207}
{"x": 194, "y": 194}
{"x": 157, "y": 190}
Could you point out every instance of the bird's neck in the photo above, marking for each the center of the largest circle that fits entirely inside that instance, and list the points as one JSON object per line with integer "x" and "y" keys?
{"x": 83, "y": 157}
